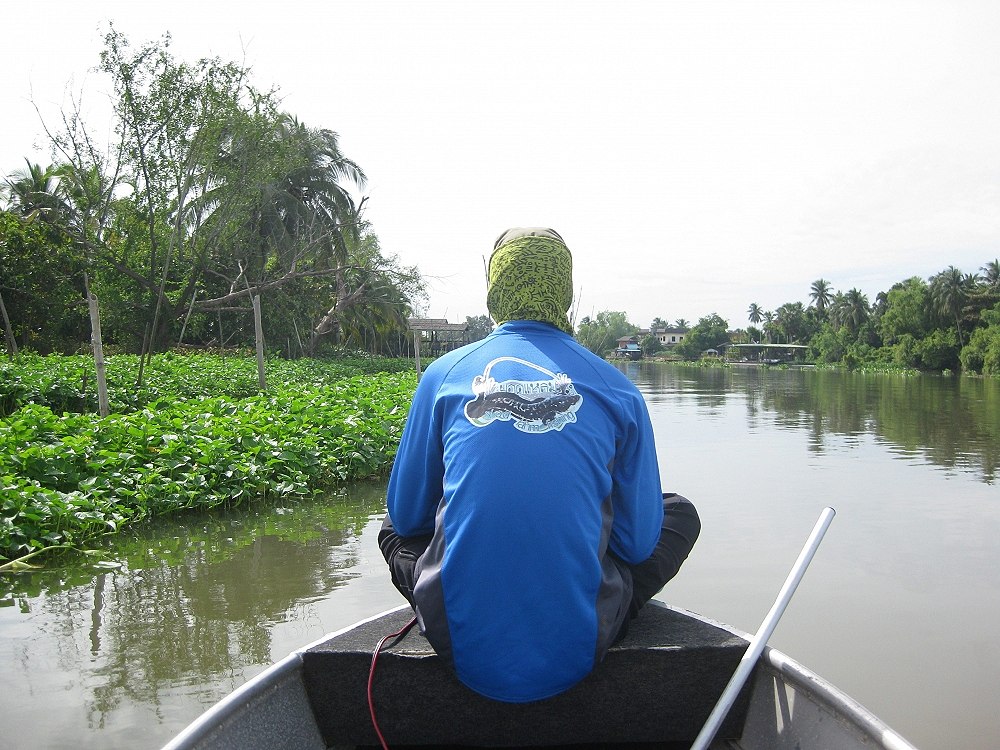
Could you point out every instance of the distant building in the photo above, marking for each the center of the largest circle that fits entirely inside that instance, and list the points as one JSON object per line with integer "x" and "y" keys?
{"x": 628, "y": 348}
{"x": 666, "y": 336}
{"x": 438, "y": 335}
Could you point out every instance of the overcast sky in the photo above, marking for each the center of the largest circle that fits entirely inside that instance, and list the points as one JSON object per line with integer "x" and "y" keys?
{"x": 696, "y": 156}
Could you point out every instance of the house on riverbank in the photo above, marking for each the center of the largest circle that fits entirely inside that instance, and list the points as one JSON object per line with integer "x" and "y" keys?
{"x": 630, "y": 347}
{"x": 667, "y": 337}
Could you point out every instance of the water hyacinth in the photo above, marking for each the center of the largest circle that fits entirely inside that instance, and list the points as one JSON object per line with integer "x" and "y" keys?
{"x": 197, "y": 435}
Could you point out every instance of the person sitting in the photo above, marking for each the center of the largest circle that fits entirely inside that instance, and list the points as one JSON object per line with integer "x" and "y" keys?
{"x": 526, "y": 522}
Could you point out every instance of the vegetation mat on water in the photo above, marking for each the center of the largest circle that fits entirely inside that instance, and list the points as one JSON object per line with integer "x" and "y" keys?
{"x": 201, "y": 438}
{"x": 68, "y": 383}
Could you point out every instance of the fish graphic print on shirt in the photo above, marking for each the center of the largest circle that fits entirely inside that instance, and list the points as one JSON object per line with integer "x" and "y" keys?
{"x": 534, "y": 405}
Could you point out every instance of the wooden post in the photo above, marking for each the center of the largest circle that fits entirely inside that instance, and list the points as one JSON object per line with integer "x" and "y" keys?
{"x": 102, "y": 380}
{"x": 142, "y": 356}
{"x": 259, "y": 336}
{"x": 8, "y": 330}
{"x": 302, "y": 349}
{"x": 187, "y": 317}
{"x": 417, "y": 335}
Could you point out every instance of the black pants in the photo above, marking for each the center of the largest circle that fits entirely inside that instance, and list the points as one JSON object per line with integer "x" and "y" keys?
{"x": 680, "y": 530}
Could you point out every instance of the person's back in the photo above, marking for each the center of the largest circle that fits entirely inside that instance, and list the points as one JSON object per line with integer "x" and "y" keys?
{"x": 527, "y": 475}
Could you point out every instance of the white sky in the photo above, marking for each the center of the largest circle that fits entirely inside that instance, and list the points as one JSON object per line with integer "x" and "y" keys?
{"x": 696, "y": 156}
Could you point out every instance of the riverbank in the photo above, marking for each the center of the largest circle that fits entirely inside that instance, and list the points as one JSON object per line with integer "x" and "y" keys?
{"x": 713, "y": 361}
{"x": 197, "y": 434}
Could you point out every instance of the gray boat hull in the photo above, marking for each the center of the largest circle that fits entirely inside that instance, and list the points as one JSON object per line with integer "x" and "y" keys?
{"x": 655, "y": 688}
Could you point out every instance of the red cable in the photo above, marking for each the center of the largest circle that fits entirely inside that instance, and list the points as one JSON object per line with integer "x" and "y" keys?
{"x": 371, "y": 676}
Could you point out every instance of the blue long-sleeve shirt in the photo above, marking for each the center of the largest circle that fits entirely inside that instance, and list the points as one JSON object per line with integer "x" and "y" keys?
{"x": 527, "y": 458}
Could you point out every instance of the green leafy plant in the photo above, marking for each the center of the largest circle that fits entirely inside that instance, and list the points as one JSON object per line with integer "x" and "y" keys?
{"x": 198, "y": 435}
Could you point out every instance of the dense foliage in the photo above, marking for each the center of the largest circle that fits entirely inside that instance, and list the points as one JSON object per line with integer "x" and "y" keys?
{"x": 198, "y": 434}
{"x": 600, "y": 334}
{"x": 205, "y": 196}
{"x": 949, "y": 322}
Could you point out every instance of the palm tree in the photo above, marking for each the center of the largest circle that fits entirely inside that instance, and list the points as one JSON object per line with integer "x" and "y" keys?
{"x": 36, "y": 192}
{"x": 881, "y": 303}
{"x": 681, "y": 323}
{"x": 377, "y": 317}
{"x": 991, "y": 273}
{"x": 789, "y": 319}
{"x": 768, "y": 317}
{"x": 755, "y": 313}
{"x": 821, "y": 296}
{"x": 949, "y": 293}
{"x": 306, "y": 208}
{"x": 855, "y": 310}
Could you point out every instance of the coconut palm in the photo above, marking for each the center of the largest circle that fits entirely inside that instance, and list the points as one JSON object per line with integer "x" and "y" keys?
{"x": 855, "y": 310}
{"x": 835, "y": 312}
{"x": 991, "y": 273}
{"x": 790, "y": 320}
{"x": 821, "y": 296}
{"x": 950, "y": 291}
{"x": 681, "y": 323}
{"x": 306, "y": 208}
{"x": 768, "y": 317}
{"x": 755, "y": 313}
{"x": 377, "y": 317}
{"x": 36, "y": 192}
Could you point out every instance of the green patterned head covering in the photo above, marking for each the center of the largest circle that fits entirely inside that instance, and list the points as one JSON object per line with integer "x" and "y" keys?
{"x": 530, "y": 277}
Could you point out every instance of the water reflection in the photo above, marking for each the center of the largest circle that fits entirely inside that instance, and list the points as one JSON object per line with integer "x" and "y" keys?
{"x": 900, "y": 605}
{"x": 123, "y": 649}
{"x": 952, "y": 422}
{"x": 173, "y": 605}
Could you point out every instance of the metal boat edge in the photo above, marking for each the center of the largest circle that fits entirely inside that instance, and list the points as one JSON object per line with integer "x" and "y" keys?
{"x": 783, "y": 691}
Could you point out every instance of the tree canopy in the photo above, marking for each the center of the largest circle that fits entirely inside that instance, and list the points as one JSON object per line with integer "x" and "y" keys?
{"x": 600, "y": 334}
{"x": 206, "y": 196}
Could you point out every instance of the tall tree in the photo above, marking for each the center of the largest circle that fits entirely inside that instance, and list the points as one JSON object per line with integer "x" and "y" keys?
{"x": 768, "y": 317}
{"x": 479, "y": 327}
{"x": 991, "y": 273}
{"x": 949, "y": 291}
{"x": 40, "y": 280}
{"x": 209, "y": 195}
{"x": 600, "y": 335}
{"x": 36, "y": 192}
{"x": 710, "y": 332}
{"x": 906, "y": 311}
{"x": 790, "y": 319}
{"x": 821, "y": 295}
{"x": 854, "y": 311}
{"x": 368, "y": 282}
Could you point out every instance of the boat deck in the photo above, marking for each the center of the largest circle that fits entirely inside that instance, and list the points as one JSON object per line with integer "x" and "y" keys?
{"x": 655, "y": 689}
{"x": 670, "y": 669}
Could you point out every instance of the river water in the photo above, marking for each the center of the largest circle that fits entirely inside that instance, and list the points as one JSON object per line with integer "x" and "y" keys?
{"x": 123, "y": 647}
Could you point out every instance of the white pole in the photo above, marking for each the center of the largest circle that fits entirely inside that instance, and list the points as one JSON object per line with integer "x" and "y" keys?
{"x": 416, "y": 349}
{"x": 98, "y": 346}
{"x": 259, "y": 340}
{"x": 757, "y": 643}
